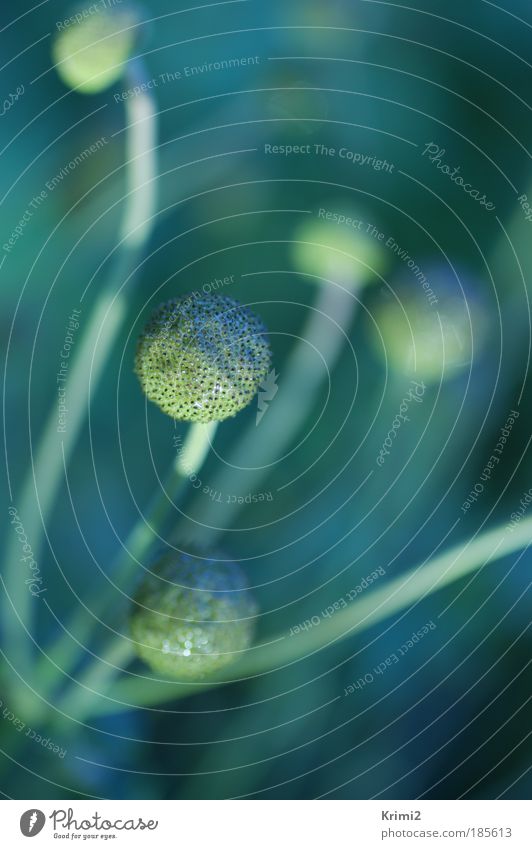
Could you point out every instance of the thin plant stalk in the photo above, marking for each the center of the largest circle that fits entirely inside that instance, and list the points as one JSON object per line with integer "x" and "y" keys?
{"x": 325, "y": 331}
{"x": 96, "y": 679}
{"x": 65, "y": 652}
{"x": 41, "y": 486}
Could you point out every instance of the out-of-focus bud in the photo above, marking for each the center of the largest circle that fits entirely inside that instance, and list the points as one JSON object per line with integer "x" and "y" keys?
{"x": 337, "y": 247}
{"x": 94, "y": 43}
{"x": 192, "y": 615}
{"x": 432, "y": 325}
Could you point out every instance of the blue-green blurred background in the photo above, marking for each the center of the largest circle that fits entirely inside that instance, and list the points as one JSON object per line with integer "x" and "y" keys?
{"x": 451, "y": 718}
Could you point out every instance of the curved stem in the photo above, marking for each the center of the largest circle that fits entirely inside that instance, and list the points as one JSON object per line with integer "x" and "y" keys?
{"x": 98, "y": 676}
{"x": 66, "y": 651}
{"x": 40, "y": 488}
{"x": 324, "y": 332}
{"x": 397, "y": 595}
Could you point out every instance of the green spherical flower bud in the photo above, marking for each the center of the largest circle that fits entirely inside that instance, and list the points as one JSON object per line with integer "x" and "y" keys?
{"x": 192, "y": 616}
{"x": 430, "y": 331}
{"x": 338, "y": 250}
{"x": 202, "y": 358}
{"x": 90, "y": 52}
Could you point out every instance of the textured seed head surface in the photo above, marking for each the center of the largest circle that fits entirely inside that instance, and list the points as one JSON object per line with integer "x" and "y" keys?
{"x": 202, "y": 358}
{"x": 89, "y": 53}
{"x": 192, "y": 615}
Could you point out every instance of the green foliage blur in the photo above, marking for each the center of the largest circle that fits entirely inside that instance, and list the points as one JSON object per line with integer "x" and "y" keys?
{"x": 449, "y": 719}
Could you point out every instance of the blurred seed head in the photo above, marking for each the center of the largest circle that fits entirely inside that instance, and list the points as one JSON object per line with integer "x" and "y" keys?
{"x": 90, "y": 52}
{"x": 338, "y": 252}
{"x": 202, "y": 358}
{"x": 192, "y": 616}
{"x": 431, "y": 341}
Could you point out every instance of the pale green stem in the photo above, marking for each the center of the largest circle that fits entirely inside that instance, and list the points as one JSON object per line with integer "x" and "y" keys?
{"x": 299, "y": 383}
{"x": 40, "y": 488}
{"x": 324, "y": 332}
{"x": 95, "y": 680}
{"x": 400, "y": 594}
{"x": 66, "y": 651}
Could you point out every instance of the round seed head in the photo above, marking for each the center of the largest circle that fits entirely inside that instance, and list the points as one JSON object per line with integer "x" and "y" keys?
{"x": 338, "y": 251}
{"x": 192, "y": 616}
{"x": 431, "y": 333}
{"x": 202, "y": 358}
{"x": 90, "y": 52}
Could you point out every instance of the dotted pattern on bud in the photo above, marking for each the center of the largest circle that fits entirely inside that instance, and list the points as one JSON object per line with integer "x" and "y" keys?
{"x": 202, "y": 358}
{"x": 192, "y": 616}
{"x": 90, "y": 53}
